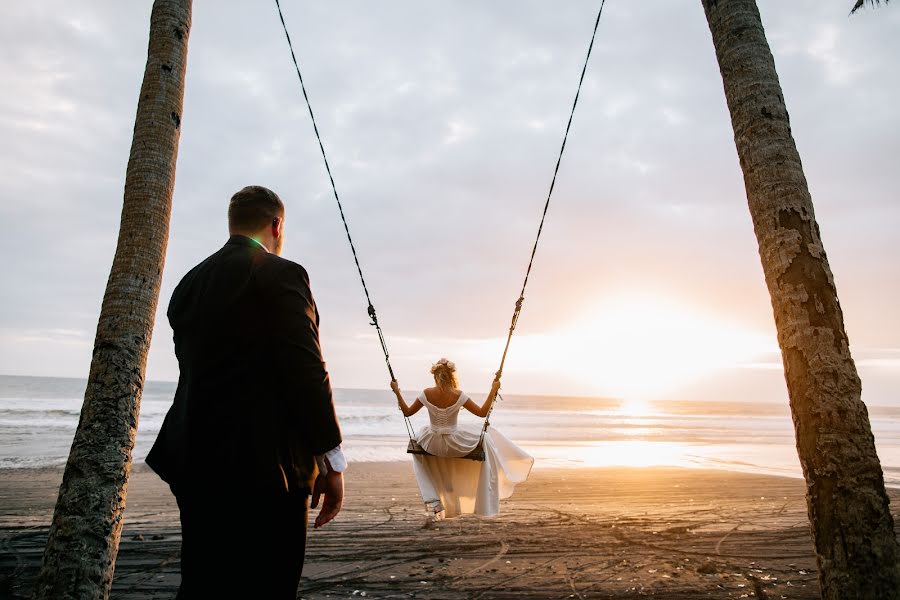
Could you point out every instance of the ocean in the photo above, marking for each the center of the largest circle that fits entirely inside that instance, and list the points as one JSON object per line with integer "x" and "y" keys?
{"x": 38, "y": 416}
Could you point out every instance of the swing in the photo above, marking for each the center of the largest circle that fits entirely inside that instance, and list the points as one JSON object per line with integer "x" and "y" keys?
{"x": 477, "y": 453}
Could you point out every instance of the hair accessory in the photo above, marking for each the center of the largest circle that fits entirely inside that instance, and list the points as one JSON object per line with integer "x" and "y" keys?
{"x": 443, "y": 362}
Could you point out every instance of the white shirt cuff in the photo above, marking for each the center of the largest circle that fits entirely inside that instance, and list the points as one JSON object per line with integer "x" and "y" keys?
{"x": 335, "y": 458}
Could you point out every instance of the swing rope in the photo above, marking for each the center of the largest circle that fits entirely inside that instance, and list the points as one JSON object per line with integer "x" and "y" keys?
{"x": 371, "y": 308}
{"x": 518, "y": 307}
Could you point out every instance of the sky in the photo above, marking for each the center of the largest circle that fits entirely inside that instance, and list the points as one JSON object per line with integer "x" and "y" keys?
{"x": 442, "y": 121}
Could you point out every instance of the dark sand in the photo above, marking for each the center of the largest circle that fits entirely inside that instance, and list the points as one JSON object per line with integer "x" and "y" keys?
{"x": 590, "y": 533}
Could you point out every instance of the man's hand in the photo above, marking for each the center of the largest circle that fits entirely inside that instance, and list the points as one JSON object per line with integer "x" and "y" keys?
{"x": 395, "y": 386}
{"x": 332, "y": 485}
{"x": 495, "y": 387}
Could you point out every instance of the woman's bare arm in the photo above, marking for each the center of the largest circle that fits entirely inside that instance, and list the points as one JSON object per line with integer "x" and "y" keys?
{"x": 407, "y": 411}
{"x": 484, "y": 409}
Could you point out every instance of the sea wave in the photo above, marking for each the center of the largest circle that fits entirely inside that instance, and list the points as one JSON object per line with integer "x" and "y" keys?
{"x": 38, "y": 417}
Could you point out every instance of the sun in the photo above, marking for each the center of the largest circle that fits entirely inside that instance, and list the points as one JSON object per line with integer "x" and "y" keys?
{"x": 639, "y": 346}
{"x": 635, "y": 407}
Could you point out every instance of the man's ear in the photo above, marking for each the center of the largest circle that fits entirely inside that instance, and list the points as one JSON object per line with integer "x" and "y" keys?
{"x": 277, "y": 227}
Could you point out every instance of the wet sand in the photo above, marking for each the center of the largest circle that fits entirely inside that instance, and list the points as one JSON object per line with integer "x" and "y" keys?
{"x": 589, "y": 533}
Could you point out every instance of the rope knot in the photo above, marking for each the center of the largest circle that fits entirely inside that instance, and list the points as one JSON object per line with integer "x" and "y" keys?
{"x": 373, "y": 316}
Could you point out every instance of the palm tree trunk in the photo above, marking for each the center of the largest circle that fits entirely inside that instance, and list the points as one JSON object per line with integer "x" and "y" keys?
{"x": 852, "y": 527}
{"x": 84, "y": 536}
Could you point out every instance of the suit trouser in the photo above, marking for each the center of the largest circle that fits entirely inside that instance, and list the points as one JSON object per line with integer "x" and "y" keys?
{"x": 242, "y": 545}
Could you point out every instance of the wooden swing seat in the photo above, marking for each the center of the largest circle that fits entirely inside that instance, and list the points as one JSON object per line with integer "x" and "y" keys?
{"x": 477, "y": 452}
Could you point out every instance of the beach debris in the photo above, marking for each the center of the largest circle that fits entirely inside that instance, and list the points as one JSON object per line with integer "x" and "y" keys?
{"x": 707, "y": 568}
{"x": 137, "y": 537}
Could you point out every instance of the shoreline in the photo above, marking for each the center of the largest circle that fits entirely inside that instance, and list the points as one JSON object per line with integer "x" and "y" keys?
{"x": 538, "y": 467}
{"x": 606, "y": 532}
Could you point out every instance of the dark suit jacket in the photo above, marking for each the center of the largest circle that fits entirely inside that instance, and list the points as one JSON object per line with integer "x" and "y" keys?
{"x": 253, "y": 404}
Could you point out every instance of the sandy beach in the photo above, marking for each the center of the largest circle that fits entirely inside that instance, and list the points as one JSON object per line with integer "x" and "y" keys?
{"x": 589, "y": 533}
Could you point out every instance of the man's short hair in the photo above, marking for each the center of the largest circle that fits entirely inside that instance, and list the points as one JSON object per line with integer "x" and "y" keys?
{"x": 254, "y": 208}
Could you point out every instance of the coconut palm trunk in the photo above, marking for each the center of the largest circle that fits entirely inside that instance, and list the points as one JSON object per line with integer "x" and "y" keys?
{"x": 84, "y": 536}
{"x": 852, "y": 528}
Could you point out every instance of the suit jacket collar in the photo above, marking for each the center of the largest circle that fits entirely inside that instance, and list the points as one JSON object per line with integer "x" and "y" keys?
{"x": 243, "y": 240}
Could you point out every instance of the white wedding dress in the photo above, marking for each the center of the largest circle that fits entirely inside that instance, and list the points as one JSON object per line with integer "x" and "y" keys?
{"x": 466, "y": 486}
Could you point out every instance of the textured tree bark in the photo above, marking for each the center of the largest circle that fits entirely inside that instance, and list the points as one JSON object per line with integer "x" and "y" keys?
{"x": 79, "y": 559}
{"x": 852, "y": 527}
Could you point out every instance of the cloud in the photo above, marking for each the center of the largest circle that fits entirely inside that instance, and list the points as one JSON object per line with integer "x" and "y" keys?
{"x": 825, "y": 47}
{"x": 62, "y": 336}
{"x": 442, "y": 123}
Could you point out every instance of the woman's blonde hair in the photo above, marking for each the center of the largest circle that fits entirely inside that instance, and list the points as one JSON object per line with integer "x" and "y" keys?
{"x": 444, "y": 372}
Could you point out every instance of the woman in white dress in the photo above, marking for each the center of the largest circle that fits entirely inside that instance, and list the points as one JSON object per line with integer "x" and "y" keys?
{"x": 451, "y": 485}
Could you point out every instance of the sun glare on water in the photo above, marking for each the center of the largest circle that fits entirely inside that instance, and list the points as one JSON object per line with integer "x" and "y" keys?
{"x": 635, "y": 453}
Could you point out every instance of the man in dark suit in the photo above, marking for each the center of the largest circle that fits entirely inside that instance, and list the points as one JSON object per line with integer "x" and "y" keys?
{"x": 252, "y": 432}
